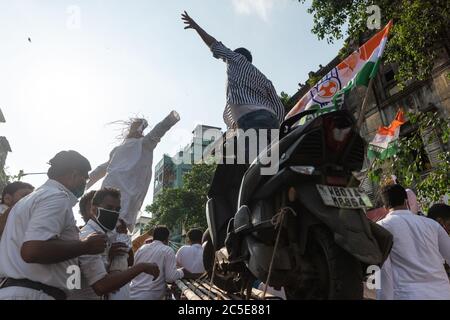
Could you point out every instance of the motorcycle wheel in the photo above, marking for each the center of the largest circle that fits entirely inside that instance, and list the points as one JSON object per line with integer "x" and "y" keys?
{"x": 336, "y": 275}
{"x": 225, "y": 282}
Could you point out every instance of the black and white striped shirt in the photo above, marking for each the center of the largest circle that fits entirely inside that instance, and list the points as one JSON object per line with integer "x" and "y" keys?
{"x": 246, "y": 85}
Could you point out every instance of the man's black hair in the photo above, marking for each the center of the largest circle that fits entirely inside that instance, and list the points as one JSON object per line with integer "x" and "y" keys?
{"x": 66, "y": 162}
{"x": 246, "y": 53}
{"x": 101, "y": 194}
{"x": 13, "y": 187}
{"x": 85, "y": 200}
{"x": 393, "y": 195}
{"x": 439, "y": 210}
{"x": 161, "y": 233}
{"x": 195, "y": 235}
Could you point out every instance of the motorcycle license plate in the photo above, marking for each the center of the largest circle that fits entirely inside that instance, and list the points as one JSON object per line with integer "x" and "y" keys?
{"x": 345, "y": 198}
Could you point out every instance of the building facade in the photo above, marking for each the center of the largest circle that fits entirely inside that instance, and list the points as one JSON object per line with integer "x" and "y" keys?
{"x": 169, "y": 171}
{"x": 142, "y": 220}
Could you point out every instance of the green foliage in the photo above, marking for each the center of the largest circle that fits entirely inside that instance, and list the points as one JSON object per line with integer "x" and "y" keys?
{"x": 313, "y": 79}
{"x": 284, "y": 97}
{"x": 186, "y": 205}
{"x": 411, "y": 166}
{"x": 6, "y": 178}
{"x": 419, "y": 27}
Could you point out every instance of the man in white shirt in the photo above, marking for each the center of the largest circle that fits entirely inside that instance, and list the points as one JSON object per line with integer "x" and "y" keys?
{"x": 103, "y": 199}
{"x": 40, "y": 249}
{"x": 414, "y": 269}
{"x": 11, "y": 194}
{"x": 191, "y": 256}
{"x": 85, "y": 205}
{"x": 144, "y": 287}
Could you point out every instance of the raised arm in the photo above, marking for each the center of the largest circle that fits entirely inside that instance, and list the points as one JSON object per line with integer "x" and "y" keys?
{"x": 191, "y": 24}
{"x": 219, "y": 50}
{"x": 97, "y": 174}
{"x": 155, "y": 135}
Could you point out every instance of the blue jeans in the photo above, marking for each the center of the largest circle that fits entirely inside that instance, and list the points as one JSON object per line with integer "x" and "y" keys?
{"x": 261, "y": 119}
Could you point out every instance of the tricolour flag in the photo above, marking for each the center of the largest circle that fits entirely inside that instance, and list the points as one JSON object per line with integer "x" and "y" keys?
{"x": 357, "y": 69}
{"x": 384, "y": 144}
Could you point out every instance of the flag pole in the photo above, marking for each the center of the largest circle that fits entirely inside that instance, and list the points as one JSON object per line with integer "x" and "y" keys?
{"x": 364, "y": 104}
{"x": 361, "y": 118}
{"x": 370, "y": 84}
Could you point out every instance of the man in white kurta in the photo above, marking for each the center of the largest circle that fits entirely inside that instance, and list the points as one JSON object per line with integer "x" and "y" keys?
{"x": 145, "y": 287}
{"x": 129, "y": 168}
{"x": 191, "y": 256}
{"x": 415, "y": 267}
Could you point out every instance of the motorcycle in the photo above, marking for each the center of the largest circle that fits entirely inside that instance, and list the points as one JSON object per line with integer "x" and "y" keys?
{"x": 304, "y": 228}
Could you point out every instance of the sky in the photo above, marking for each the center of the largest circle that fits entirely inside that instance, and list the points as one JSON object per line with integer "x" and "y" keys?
{"x": 70, "y": 67}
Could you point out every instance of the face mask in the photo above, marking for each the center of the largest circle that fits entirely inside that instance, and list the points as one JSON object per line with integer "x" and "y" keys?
{"x": 107, "y": 219}
{"x": 78, "y": 192}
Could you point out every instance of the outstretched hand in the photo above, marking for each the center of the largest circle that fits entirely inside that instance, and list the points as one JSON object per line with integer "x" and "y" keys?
{"x": 188, "y": 21}
{"x": 191, "y": 24}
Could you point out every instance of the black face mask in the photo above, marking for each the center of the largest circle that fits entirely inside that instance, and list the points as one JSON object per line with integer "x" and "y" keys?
{"x": 107, "y": 219}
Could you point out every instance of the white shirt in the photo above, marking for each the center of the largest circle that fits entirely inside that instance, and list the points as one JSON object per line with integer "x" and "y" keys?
{"x": 191, "y": 258}
{"x": 3, "y": 208}
{"x": 143, "y": 287}
{"x": 129, "y": 169}
{"x": 86, "y": 292}
{"x": 415, "y": 267}
{"x": 43, "y": 215}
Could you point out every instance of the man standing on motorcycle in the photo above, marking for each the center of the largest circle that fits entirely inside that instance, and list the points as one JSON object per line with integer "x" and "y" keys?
{"x": 252, "y": 101}
{"x": 253, "y": 107}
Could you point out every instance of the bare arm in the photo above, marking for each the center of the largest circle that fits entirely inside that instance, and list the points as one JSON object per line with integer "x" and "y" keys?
{"x": 191, "y": 24}
{"x": 54, "y": 251}
{"x": 97, "y": 174}
{"x": 130, "y": 258}
{"x": 114, "y": 281}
